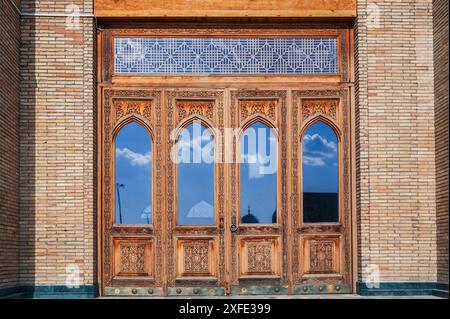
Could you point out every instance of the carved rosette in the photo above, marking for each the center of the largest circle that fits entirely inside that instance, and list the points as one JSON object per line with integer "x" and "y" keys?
{"x": 132, "y": 258}
{"x": 187, "y": 108}
{"x": 259, "y": 257}
{"x": 263, "y": 107}
{"x": 321, "y": 256}
{"x": 326, "y": 107}
{"x": 196, "y": 257}
{"x": 124, "y": 107}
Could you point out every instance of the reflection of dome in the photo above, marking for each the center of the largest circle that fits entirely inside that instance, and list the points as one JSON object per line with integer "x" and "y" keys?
{"x": 201, "y": 210}
{"x": 274, "y": 217}
{"x": 147, "y": 212}
{"x": 250, "y": 219}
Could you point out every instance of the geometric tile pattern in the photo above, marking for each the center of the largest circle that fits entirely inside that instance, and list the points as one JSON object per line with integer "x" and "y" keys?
{"x": 225, "y": 55}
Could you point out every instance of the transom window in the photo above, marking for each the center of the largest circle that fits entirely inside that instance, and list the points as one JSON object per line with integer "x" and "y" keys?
{"x": 225, "y": 55}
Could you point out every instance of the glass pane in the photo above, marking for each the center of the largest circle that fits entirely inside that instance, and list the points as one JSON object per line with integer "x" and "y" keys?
{"x": 133, "y": 175}
{"x": 258, "y": 175}
{"x": 195, "y": 176}
{"x": 320, "y": 174}
{"x": 226, "y": 55}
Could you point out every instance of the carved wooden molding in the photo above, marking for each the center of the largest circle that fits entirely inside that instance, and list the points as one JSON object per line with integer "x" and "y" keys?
{"x": 266, "y": 108}
{"x": 187, "y": 108}
{"x": 326, "y": 107}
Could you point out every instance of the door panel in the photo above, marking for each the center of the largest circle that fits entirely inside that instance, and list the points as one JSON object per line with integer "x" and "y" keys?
{"x": 132, "y": 252}
{"x": 196, "y": 252}
{"x": 258, "y": 255}
{"x": 321, "y": 250}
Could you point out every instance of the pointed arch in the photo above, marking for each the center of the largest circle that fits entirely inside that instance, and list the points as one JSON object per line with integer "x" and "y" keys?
{"x": 325, "y": 120}
{"x": 191, "y": 119}
{"x": 129, "y": 119}
{"x": 254, "y": 119}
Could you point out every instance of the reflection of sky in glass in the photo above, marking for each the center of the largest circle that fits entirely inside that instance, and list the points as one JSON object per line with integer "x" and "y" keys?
{"x": 320, "y": 174}
{"x": 258, "y": 184}
{"x": 195, "y": 178}
{"x": 133, "y": 175}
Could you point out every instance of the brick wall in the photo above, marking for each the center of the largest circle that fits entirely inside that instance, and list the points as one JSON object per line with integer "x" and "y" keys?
{"x": 441, "y": 86}
{"x": 9, "y": 142}
{"x": 57, "y": 175}
{"x": 395, "y": 139}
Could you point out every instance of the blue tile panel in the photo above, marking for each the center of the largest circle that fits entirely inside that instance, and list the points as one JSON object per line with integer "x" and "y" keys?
{"x": 225, "y": 56}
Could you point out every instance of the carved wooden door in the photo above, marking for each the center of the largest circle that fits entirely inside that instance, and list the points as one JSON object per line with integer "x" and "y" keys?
{"x": 321, "y": 200}
{"x": 258, "y": 194}
{"x": 132, "y": 175}
{"x": 195, "y": 193}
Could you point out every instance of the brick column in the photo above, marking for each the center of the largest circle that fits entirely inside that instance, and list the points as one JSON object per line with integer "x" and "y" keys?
{"x": 57, "y": 148}
{"x": 395, "y": 143}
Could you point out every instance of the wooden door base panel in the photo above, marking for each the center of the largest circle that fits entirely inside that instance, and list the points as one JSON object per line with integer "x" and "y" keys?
{"x": 133, "y": 291}
{"x": 196, "y": 291}
{"x": 260, "y": 290}
{"x": 321, "y": 289}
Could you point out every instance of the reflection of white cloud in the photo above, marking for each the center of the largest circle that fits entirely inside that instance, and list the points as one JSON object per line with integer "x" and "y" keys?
{"x": 201, "y": 210}
{"x": 136, "y": 159}
{"x": 316, "y": 149}
{"x": 313, "y": 161}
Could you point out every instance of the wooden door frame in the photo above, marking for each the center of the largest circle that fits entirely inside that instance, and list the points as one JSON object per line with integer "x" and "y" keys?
{"x": 107, "y": 80}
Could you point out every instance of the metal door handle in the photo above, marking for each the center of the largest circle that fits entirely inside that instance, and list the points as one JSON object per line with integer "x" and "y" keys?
{"x": 233, "y": 226}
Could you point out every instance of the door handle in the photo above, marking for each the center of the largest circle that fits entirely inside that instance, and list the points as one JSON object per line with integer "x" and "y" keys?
{"x": 233, "y": 226}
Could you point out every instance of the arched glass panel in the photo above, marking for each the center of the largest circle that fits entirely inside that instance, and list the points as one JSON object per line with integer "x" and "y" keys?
{"x": 195, "y": 176}
{"x": 320, "y": 174}
{"x": 133, "y": 175}
{"x": 258, "y": 175}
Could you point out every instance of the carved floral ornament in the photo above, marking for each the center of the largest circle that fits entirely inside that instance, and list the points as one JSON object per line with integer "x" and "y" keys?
{"x": 321, "y": 256}
{"x": 265, "y": 107}
{"x": 124, "y": 107}
{"x": 132, "y": 258}
{"x": 187, "y": 108}
{"x": 196, "y": 257}
{"x": 327, "y": 107}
